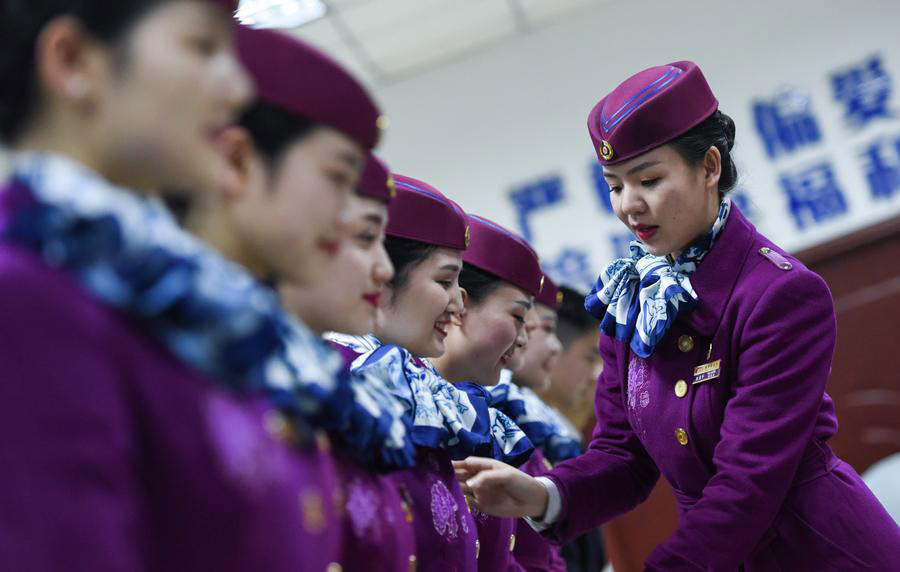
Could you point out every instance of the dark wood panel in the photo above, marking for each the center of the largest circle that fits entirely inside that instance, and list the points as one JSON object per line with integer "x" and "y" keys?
{"x": 863, "y": 272}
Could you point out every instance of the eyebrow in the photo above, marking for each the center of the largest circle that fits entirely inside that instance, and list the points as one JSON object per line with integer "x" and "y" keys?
{"x": 450, "y": 267}
{"x": 635, "y": 169}
{"x": 374, "y": 218}
{"x": 350, "y": 159}
{"x": 524, "y": 303}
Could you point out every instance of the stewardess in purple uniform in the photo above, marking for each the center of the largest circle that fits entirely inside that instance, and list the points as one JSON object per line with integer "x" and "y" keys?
{"x": 717, "y": 346}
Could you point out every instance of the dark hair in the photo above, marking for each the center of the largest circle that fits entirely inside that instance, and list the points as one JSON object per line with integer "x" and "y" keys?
{"x": 717, "y": 131}
{"x": 573, "y": 319}
{"x": 405, "y": 254}
{"x": 21, "y": 22}
{"x": 478, "y": 283}
{"x": 274, "y": 128}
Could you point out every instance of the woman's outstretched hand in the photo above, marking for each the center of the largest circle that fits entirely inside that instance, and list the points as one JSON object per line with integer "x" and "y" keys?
{"x": 501, "y": 490}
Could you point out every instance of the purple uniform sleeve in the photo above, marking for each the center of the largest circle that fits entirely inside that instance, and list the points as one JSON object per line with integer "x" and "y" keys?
{"x": 615, "y": 474}
{"x": 67, "y": 497}
{"x": 785, "y": 350}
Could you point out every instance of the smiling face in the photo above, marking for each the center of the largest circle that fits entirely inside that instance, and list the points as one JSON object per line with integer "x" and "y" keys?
{"x": 543, "y": 349}
{"x": 289, "y": 215}
{"x": 663, "y": 200}
{"x": 487, "y": 337}
{"x": 417, "y": 316}
{"x": 349, "y": 294}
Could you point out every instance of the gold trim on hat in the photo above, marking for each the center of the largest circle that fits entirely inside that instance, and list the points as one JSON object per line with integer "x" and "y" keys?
{"x": 392, "y": 190}
{"x": 606, "y": 150}
{"x": 559, "y": 297}
{"x": 468, "y": 235}
{"x": 541, "y": 287}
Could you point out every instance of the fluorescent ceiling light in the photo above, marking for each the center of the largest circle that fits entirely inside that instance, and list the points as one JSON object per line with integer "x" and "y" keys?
{"x": 279, "y": 13}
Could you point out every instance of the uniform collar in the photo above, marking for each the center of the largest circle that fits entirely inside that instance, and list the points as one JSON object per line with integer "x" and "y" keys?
{"x": 715, "y": 278}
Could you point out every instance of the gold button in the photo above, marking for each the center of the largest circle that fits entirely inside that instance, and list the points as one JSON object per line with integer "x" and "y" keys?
{"x": 413, "y": 564}
{"x": 512, "y": 542}
{"x": 407, "y": 511}
{"x": 685, "y": 343}
{"x": 681, "y": 388}
{"x": 681, "y": 435}
{"x": 323, "y": 442}
{"x": 334, "y": 567}
{"x": 277, "y": 425}
{"x": 477, "y": 548}
{"x": 313, "y": 509}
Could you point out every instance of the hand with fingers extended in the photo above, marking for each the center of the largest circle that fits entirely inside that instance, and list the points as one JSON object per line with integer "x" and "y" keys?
{"x": 501, "y": 490}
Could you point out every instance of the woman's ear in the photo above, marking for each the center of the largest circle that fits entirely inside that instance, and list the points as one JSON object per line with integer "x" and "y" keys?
{"x": 457, "y": 319}
{"x": 236, "y": 148}
{"x": 712, "y": 168}
{"x": 70, "y": 65}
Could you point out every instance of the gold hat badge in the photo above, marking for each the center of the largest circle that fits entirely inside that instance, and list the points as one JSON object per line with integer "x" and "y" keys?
{"x": 606, "y": 150}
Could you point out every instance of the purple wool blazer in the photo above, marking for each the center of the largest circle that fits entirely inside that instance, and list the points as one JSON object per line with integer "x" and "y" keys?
{"x": 532, "y": 551}
{"x": 115, "y": 457}
{"x": 378, "y": 521}
{"x": 732, "y": 409}
{"x": 497, "y": 539}
{"x": 444, "y": 531}
{"x": 445, "y": 534}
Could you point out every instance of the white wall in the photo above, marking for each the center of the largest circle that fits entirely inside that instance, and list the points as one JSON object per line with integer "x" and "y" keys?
{"x": 478, "y": 127}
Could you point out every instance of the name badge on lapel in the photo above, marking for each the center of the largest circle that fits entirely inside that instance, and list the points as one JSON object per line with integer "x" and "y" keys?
{"x": 707, "y": 371}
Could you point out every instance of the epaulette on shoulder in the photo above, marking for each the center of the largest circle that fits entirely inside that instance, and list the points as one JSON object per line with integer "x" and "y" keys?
{"x": 775, "y": 258}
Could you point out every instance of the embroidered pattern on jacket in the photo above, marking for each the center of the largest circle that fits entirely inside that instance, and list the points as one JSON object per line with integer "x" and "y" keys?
{"x": 443, "y": 511}
{"x": 363, "y": 506}
{"x": 638, "y": 392}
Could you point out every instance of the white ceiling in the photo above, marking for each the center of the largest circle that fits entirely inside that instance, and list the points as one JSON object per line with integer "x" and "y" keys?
{"x": 386, "y": 40}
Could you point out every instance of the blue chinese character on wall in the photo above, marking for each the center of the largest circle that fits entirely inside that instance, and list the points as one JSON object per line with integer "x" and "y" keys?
{"x": 864, "y": 91}
{"x": 571, "y": 267}
{"x": 600, "y": 186}
{"x": 535, "y": 196}
{"x": 786, "y": 123}
{"x": 881, "y": 163}
{"x": 814, "y": 195}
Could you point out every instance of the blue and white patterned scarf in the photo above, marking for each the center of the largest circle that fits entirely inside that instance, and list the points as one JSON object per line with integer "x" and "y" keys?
{"x": 540, "y": 422}
{"x": 127, "y": 251}
{"x": 457, "y": 417}
{"x": 637, "y": 299}
{"x": 377, "y": 429}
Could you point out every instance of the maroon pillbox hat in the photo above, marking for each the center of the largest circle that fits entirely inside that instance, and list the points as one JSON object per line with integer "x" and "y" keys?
{"x": 297, "y": 77}
{"x": 420, "y": 212}
{"x": 649, "y": 109}
{"x": 504, "y": 254}
{"x": 376, "y": 181}
{"x": 550, "y": 295}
